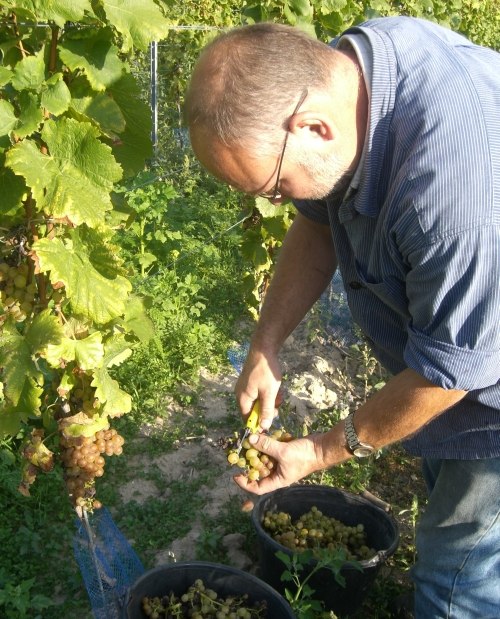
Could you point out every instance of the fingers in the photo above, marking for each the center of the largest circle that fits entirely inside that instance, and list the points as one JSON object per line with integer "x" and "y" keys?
{"x": 258, "y": 487}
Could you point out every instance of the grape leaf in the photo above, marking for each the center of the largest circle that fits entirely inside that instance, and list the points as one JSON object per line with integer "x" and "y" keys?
{"x": 75, "y": 179}
{"x": 82, "y": 425}
{"x": 116, "y": 350}
{"x": 45, "y": 329}
{"x": 102, "y": 254}
{"x": 136, "y": 320}
{"x": 135, "y": 145}
{"x": 31, "y": 115}
{"x": 139, "y": 23}
{"x": 101, "y": 109}
{"x": 97, "y": 57}
{"x": 88, "y": 353}
{"x": 90, "y": 294}
{"x": 58, "y": 11}
{"x": 12, "y": 190}
{"x": 5, "y": 76}
{"x": 56, "y": 96}
{"x": 29, "y": 73}
{"x": 8, "y": 120}
{"x": 28, "y": 405}
{"x": 116, "y": 402}
{"x": 19, "y": 368}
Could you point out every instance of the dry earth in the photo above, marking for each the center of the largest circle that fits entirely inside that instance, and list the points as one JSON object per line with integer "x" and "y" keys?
{"x": 311, "y": 384}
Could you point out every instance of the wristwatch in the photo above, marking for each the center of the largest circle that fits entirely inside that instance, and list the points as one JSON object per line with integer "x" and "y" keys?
{"x": 354, "y": 445}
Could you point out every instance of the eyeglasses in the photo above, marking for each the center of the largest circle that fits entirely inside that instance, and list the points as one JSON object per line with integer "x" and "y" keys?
{"x": 275, "y": 194}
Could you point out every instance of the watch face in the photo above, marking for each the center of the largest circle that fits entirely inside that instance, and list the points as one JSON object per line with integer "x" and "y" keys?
{"x": 363, "y": 452}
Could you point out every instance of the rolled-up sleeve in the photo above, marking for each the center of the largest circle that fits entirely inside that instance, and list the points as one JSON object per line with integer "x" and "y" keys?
{"x": 453, "y": 291}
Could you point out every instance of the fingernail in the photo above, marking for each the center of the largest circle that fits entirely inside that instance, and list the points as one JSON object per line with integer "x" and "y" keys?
{"x": 265, "y": 424}
{"x": 253, "y": 438}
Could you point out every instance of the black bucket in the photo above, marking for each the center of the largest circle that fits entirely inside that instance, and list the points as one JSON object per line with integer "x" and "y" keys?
{"x": 223, "y": 579}
{"x": 381, "y": 530}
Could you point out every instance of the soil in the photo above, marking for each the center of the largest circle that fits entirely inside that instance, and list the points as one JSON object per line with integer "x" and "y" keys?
{"x": 318, "y": 375}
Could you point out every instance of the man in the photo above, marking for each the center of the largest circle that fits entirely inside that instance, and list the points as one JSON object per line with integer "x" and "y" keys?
{"x": 388, "y": 142}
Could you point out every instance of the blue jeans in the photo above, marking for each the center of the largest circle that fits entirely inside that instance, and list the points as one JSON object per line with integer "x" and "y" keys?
{"x": 457, "y": 573}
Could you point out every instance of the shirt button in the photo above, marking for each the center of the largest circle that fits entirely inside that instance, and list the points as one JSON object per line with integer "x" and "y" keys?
{"x": 355, "y": 285}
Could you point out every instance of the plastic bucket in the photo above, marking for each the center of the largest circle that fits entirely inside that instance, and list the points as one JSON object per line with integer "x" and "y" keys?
{"x": 382, "y": 534}
{"x": 224, "y": 579}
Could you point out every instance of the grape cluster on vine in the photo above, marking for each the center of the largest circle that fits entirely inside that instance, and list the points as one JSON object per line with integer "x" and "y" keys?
{"x": 256, "y": 464}
{"x": 314, "y": 530}
{"x": 201, "y": 602}
{"x": 83, "y": 461}
{"x": 17, "y": 295}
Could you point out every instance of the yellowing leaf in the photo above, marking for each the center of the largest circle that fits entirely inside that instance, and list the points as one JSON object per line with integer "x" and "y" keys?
{"x": 116, "y": 402}
{"x": 75, "y": 179}
{"x": 87, "y": 353}
{"x": 82, "y": 425}
{"x": 91, "y": 294}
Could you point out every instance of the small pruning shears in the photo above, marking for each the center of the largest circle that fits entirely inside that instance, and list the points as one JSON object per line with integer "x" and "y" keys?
{"x": 251, "y": 426}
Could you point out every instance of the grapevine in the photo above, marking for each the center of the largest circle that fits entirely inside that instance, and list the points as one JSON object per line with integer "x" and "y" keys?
{"x": 72, "y": 126}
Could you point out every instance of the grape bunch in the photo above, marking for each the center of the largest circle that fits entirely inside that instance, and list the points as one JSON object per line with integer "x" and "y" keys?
{"x": 201, "y": 602}
{"x": 314, "y": 530}
{"x": 17, "y": 295}
{"x": 83, "y": 461}
{"x": 256, "y": 464}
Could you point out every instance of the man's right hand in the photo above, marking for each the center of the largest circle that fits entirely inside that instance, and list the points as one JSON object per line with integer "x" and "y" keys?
{"x": 260, "y": 379}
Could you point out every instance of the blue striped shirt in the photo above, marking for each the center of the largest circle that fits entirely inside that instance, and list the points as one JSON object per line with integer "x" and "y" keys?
{"x": 418, "y": 236}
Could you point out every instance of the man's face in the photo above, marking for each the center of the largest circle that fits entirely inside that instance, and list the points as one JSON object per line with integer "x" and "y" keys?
{"x": 304, "y": 174}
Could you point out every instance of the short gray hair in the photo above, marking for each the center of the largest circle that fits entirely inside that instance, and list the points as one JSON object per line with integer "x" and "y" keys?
{"x": 248, "y": 80}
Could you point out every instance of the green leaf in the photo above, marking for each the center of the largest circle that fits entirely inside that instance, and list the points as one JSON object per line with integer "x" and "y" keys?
{"x": 107, "y": 391}
{"x": 75, "y": 179}
{"x": 136, "y": 320}
{"x": 28, "y": 405}
{"x": 5, "y": 76}
{"x": 332, "y": 6}
{"x": 87, "y": 353}
{"x": 139, "y": 23}
{"x": 55, "y": 95}
{"x": 31, "y": 116}
{"x": 58, "y": 11}
{"x": 44, "y": 330}
{"x": 268, "y": 209}
{"x": 18, "y": 365}
{"x": 29, "y": 73}
{"x": 103, "y": 255}
{"x": 100, "y": 108}
{"x": 301, "y": 7}
{"x": 96, "y": 56}
{"x": 12, "y": 190}
{"x": 134, "y": 145}
{"x": 116, "y": 351}
{"x": 91, "y": 294}
{"x": 8, "y": 120}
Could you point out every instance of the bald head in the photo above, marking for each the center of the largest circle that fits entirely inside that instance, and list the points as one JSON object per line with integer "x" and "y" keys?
{"x": 247, "y": 81}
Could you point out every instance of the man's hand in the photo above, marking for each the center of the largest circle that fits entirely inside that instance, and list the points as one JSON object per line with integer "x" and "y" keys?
{"x": 259, "y": 380}
{"x": 294, "y": 460}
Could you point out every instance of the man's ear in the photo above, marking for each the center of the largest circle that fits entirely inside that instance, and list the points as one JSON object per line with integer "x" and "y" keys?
{"x": 309, "y": 125}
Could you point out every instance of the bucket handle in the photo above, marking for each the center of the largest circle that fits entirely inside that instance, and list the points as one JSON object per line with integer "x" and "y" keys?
{"x": 366, "y": 494}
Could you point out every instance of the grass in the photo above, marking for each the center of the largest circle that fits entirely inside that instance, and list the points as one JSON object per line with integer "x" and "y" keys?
{"x": 36, "y": 533}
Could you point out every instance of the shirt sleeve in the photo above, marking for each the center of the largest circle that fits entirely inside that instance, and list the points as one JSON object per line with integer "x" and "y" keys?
{"x": 453, "y": 289}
